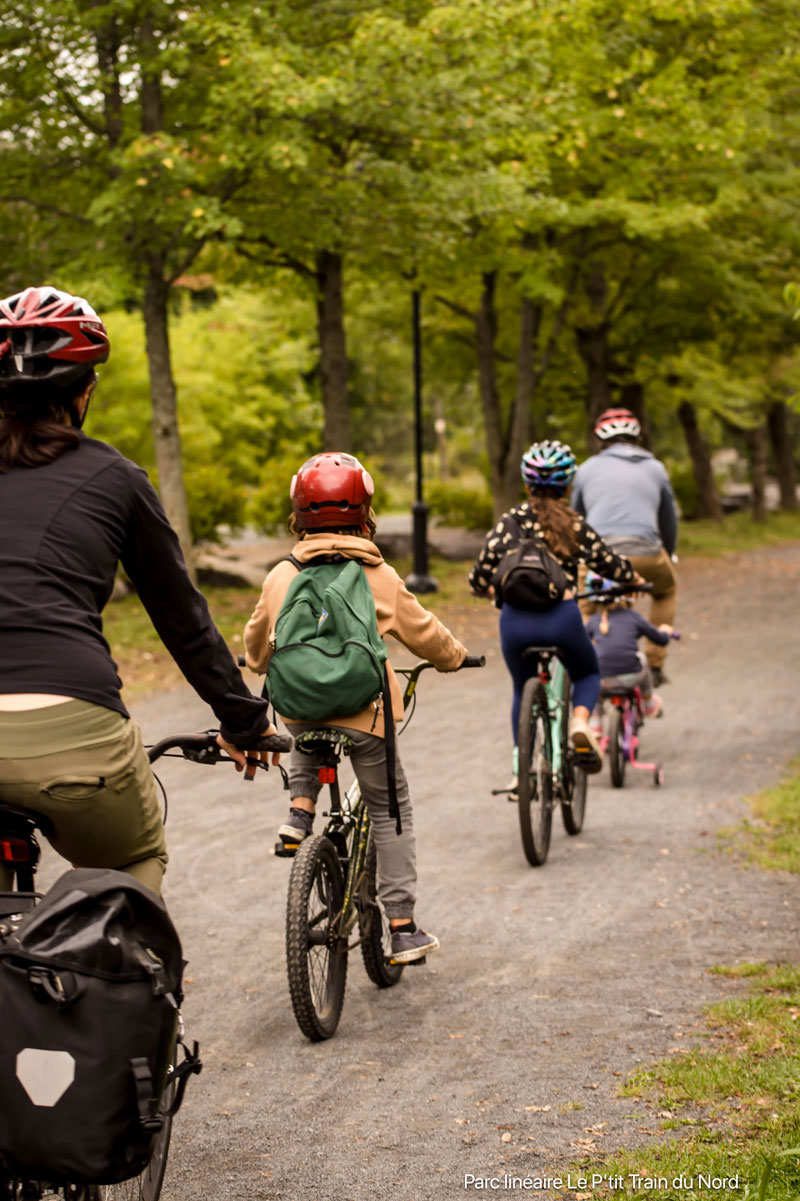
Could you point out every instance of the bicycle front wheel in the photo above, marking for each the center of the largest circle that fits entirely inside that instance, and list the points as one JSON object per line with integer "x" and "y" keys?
{"x": 373, "y": 927}
{"x": 316, "y": 957}
{"x": 535, "y": 787}
{"x": 574, "y": 780}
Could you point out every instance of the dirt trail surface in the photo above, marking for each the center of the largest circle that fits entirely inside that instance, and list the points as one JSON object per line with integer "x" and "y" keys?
{"x": 505, "y": 1054}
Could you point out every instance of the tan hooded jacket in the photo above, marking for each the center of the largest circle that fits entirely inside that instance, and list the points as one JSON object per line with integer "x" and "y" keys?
{"x": 398, "y": 612}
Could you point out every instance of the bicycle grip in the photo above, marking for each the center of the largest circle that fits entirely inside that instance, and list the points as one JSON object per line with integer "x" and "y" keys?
{"x": 474, "y": 661}
{"x": 271, "y": 742}
{"x": 241, "y": 661}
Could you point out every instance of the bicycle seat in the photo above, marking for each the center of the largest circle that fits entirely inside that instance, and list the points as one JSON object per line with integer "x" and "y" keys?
{"x": 323, "y": 742}
{"x": 11, "y": 815}
{"x": 609, "y": 689}
{"x": 531, "y": 651}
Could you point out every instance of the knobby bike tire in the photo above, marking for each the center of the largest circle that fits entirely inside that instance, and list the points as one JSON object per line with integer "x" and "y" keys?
{"x": 574, "y": 779}
{"x": 616, "y": 747}
{"x": 373, "y": 927}
{"x": 316, "y": 958}
{"x": 535, "y": 782}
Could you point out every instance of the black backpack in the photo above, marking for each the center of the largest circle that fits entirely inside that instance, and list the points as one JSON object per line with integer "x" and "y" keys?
{"x": 528, "y": 576}
{"x": 90, "y": 988}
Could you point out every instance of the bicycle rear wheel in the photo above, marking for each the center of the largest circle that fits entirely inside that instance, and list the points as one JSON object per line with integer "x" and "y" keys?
{"x": 574, "y": 780}
{"x": 144, "y": 1187}
{"x": 616, "y": 747}
{"x": 147, "y": 1185}
{"x": 373, "y": 927}
{"x": 535, "y": 787}
{"x": 316, "y": 960}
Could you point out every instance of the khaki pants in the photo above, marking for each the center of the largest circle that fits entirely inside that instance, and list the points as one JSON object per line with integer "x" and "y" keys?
{"x": 84, "y": 767}
{"x": 657, "y": 570}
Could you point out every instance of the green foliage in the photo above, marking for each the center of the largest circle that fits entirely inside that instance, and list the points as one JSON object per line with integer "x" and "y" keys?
{"x": 456, "y": 505}
{"x": 247, "y": 415}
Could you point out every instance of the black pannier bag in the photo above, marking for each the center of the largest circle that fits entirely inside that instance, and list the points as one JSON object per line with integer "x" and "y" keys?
{"x": 528, "y": 577}
{"x": 90, "y": 989}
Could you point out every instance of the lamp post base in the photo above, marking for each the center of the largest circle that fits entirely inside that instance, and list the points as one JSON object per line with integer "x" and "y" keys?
{"x": 419, "y": 580}
{"x": 421, "y": 583}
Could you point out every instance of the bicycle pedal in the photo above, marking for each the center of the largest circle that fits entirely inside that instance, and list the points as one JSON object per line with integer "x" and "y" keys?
{"x": 585, "y": 757}
{"x": 284, "y": 850}
{"x": 406, "y": 963}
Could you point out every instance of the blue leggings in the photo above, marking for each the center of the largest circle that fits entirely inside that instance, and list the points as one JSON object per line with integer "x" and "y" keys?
{"x": 562, "y": 627}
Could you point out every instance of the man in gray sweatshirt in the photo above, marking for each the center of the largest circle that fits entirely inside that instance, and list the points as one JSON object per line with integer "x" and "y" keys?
{"x": 625, "y": 495}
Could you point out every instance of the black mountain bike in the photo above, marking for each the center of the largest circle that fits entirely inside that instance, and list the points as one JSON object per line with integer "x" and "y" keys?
{"x": 332, "y": 889}
{"x": 19, "y": 851}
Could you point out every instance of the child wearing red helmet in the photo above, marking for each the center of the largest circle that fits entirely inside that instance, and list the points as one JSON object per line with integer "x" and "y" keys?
{"x": 332, "y": 515}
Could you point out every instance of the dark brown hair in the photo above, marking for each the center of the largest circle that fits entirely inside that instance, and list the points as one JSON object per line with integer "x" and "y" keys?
{"x": 557, "y": 520}
{"x": 35, "y": 422}
{"x": 353, "y": 531}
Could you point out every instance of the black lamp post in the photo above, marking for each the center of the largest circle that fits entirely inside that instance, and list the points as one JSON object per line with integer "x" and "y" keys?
{"x": 419, "y": 580}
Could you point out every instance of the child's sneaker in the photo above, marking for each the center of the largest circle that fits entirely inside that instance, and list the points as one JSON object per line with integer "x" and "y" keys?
{"x": 653, "y": 706}
{"x": 410, "y": 943}
{"x": 297, "y": 826}
{"x": 589, "y": 755}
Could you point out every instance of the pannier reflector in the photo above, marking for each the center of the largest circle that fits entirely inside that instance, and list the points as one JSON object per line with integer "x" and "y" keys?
{"x": 45, "y": 1075}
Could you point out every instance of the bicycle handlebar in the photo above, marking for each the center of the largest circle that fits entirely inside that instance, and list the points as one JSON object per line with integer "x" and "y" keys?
{"x": 618, "y": 590}
{"x": 203, "y": 747}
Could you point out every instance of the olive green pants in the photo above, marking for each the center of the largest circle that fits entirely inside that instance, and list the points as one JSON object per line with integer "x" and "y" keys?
{"x": 84, "y": 768}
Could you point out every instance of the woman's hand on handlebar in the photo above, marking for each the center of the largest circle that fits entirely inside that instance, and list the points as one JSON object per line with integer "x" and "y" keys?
{"x": 247, "y": 761}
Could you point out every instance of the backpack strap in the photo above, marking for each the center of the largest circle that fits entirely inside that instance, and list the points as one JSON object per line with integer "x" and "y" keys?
{"x": 390, "y": 740}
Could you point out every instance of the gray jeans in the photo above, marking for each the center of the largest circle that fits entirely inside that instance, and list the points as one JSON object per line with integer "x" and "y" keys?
{"x": 397, "y": 853}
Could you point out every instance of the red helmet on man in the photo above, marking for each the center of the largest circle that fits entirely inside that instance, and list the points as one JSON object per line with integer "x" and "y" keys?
{"x": 331, "y": 490}
{"x": 617, "y": 423}
{"x": 50, "y": 336}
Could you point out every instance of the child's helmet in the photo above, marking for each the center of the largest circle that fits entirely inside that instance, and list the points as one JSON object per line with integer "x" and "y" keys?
{"x": 549, "y": 464}
{"x": 617, "y": 423}
{"x": 600, "y": 588}
{"x": 331, "y": 490}
{"x": 49, "y": 335}
{"x": 604, "y": 592}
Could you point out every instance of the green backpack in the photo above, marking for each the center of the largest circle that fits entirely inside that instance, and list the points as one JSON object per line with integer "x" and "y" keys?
{"x": 329, "y": 659}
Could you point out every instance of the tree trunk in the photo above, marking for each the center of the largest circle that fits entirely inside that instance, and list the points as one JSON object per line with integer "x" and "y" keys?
{"x": 333, "y": 351}
{"x": 709, "y": 504}
{"x": 163, "y": 397}
{"x": 166, "y": 435}
{"x": 592, "y": 343}
{"x": 757, "y": 443}
{"x": 485, "y": 334}
{"x": 631, "y": 396}
{"x": 781, "y": 439}
{"x": 520, "y": 425}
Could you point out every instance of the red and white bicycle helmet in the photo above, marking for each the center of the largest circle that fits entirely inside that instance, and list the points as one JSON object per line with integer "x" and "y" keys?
{"x": 617, "y": 423}
{"x": 50, "y": 336}
{"x": 331, "y": 489}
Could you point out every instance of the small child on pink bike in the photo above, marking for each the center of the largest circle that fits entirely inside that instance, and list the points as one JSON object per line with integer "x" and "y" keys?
{"x": 615, "y": 630}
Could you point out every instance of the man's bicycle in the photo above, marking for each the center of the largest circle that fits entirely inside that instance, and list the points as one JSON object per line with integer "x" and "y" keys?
{"x": 332, "y": 889}
{"x": 20, "y": 852}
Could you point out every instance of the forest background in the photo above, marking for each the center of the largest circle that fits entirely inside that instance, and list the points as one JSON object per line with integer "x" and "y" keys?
{"x": 596, "y": 201}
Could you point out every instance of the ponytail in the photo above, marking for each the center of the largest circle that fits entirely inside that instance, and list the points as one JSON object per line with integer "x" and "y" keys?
{"x": 557, "y": 520}
{"x": 37, "y": 422}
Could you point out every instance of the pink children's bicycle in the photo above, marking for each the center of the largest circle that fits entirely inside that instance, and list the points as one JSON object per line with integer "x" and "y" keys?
{"x": 620, "y": 738}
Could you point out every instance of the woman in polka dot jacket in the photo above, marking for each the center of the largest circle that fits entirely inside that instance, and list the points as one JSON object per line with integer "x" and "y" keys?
{"x": 547, "y": 470}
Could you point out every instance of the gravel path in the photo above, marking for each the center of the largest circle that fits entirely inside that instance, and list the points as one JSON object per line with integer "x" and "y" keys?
{"x": 506, "y": 1052}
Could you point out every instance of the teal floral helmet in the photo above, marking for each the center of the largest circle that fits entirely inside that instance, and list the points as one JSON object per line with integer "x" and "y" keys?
{"x": 548, "y": 464}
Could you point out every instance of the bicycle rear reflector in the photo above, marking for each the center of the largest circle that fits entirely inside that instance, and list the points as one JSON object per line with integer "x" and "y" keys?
{"x": 326, "y": 775}
{"x": 14, "y": 850}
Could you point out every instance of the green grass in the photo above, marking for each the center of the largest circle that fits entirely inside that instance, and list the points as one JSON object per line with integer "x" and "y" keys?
{"x": 772, "y": 838}
{"x": 734, "y": 1094}
{"x": 736, "y": 532}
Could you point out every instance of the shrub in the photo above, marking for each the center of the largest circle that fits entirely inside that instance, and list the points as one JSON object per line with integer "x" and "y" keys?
{"x": 456, "y": 505}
